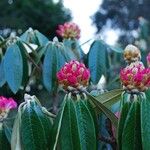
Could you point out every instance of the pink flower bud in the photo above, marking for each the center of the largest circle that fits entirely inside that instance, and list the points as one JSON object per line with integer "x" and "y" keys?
{"x": 73, "y": 74}
{"x": 5, "y": 105}
{"x": 135, "y": 77}
{"x": 68, "y": 30}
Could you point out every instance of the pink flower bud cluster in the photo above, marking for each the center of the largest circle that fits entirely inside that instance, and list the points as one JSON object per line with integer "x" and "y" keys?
{"x": 5, "y": 105}
{"x": 73, "y": 74}
{"x": 148, "y": 60}
{"x": 69, "y": 30}
{"x": 135, "y": 77}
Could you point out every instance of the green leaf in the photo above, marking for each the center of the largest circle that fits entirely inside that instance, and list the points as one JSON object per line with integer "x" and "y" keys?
{"x": 85, "y": 126}
{"x": 41, "y": 38}
{"x": 145, "y": 123}
{"x": 8, "y": 131}
{"x": 101, "y": 107}
{"x": 77, "y": 129}
{"x": 111, "y": 97}
{"x": 122, "y": 119}
{"x": 55, "y": 58}
{"x": 16, "y": 134}
{"x": 57, "y": 126}
{"x": 29, "y": 37}
{"x": 33, "y": 132}
{"x": 73, "y": 49}
{"x": 13, "y": 67}
{"x": 148, "y": 95}
{"x": 116, "y": 49}
{"x": 97, "y": 60}
{"x": 4, "y": 144}
{"x": 131, "y": 136}
{"x": 49, "y": 67}
{"x": 2, "y": 74}
{"x": 25, "y": 63}
{"x": 45, "y": 120}
{"x": 69, "y": 137}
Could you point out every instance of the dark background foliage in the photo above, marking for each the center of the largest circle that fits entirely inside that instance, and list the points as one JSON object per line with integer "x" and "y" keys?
{"x": 122, "y": 14}
{"x": 43, "y": 15}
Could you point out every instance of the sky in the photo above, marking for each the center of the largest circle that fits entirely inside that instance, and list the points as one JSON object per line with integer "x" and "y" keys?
{"x": 82, "y": 10}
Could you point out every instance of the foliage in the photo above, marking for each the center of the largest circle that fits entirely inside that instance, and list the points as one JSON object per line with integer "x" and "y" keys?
{"x": 42, "y": 15}
{"x": 119, "y": 14}
{"x": 33, "y": 64}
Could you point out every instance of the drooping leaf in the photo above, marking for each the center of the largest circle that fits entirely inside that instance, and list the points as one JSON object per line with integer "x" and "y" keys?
{"x": 2, "y": 74}
{"x": 111, "y": 97}
{"x": 25, "y": 63}
{"x": 29, "y": 37}
{"x": 55, "y": 58}
{"x": 145, "y": 123}
{"x": 8, "y": 131}
{"x": 33, "y": 127}
{"x": 13, "y": 67}
{"x": 57, "y": 126}
{"x": 101, "y": 107}
{"x": 77, "y": 130}
{"x": 69, "y": 137}
{"x": 4, "y": 144}
{"x": 41, "y": 38}
{"x": 73, "y": 49}
{"x": 49, "y": 68}
{"x": 131, "y": 136}
{"x": 16, "y": 134}
{"x": 123, "y": 116}
{"x": 97, "y": 60}
{"x": 85, "y": 126}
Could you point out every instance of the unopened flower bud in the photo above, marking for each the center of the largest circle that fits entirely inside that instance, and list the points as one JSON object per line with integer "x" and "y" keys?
{"x": 68, "y": 31}
{"x": 5, "y": 106}
{"x": 135, "y": 77}
{"x": 131, "y": 53}
{"x": 73, "y": 74}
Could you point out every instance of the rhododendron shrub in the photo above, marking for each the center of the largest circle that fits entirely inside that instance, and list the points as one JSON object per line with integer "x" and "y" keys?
{"x": 68, "y": 113}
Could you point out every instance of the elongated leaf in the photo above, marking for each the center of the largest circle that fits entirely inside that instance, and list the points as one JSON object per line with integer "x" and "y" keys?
{"x": 57, "y": 126}
{"x": 13, "y": 67}
{"x": 29, "y": 37}
{"x": 33, "y": 132}
{"x": 124, "y": 113}
{"x": 8, "y": 131}
{"x": 105, "y": 110}
{"x": 41, "y": 38}
{"x": 25, "y": 63}
{"x": 97, "y": 60}
{"x": 49, "y": 68}
{"x": 46, "y": 122}
{"x": 2, "y": 74}
{"x": 131, "y": 136}
{"x": 73, "y": 49}
{"x": 55, "y": 58}
{"x": 69, "y": 137}
{"x": 145, "y": 123}
{"x": 4, "y": 144}
{"x": 86, "y": 126}
{"x": 148, "y": 95}
{"x": 110, "y": 98}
